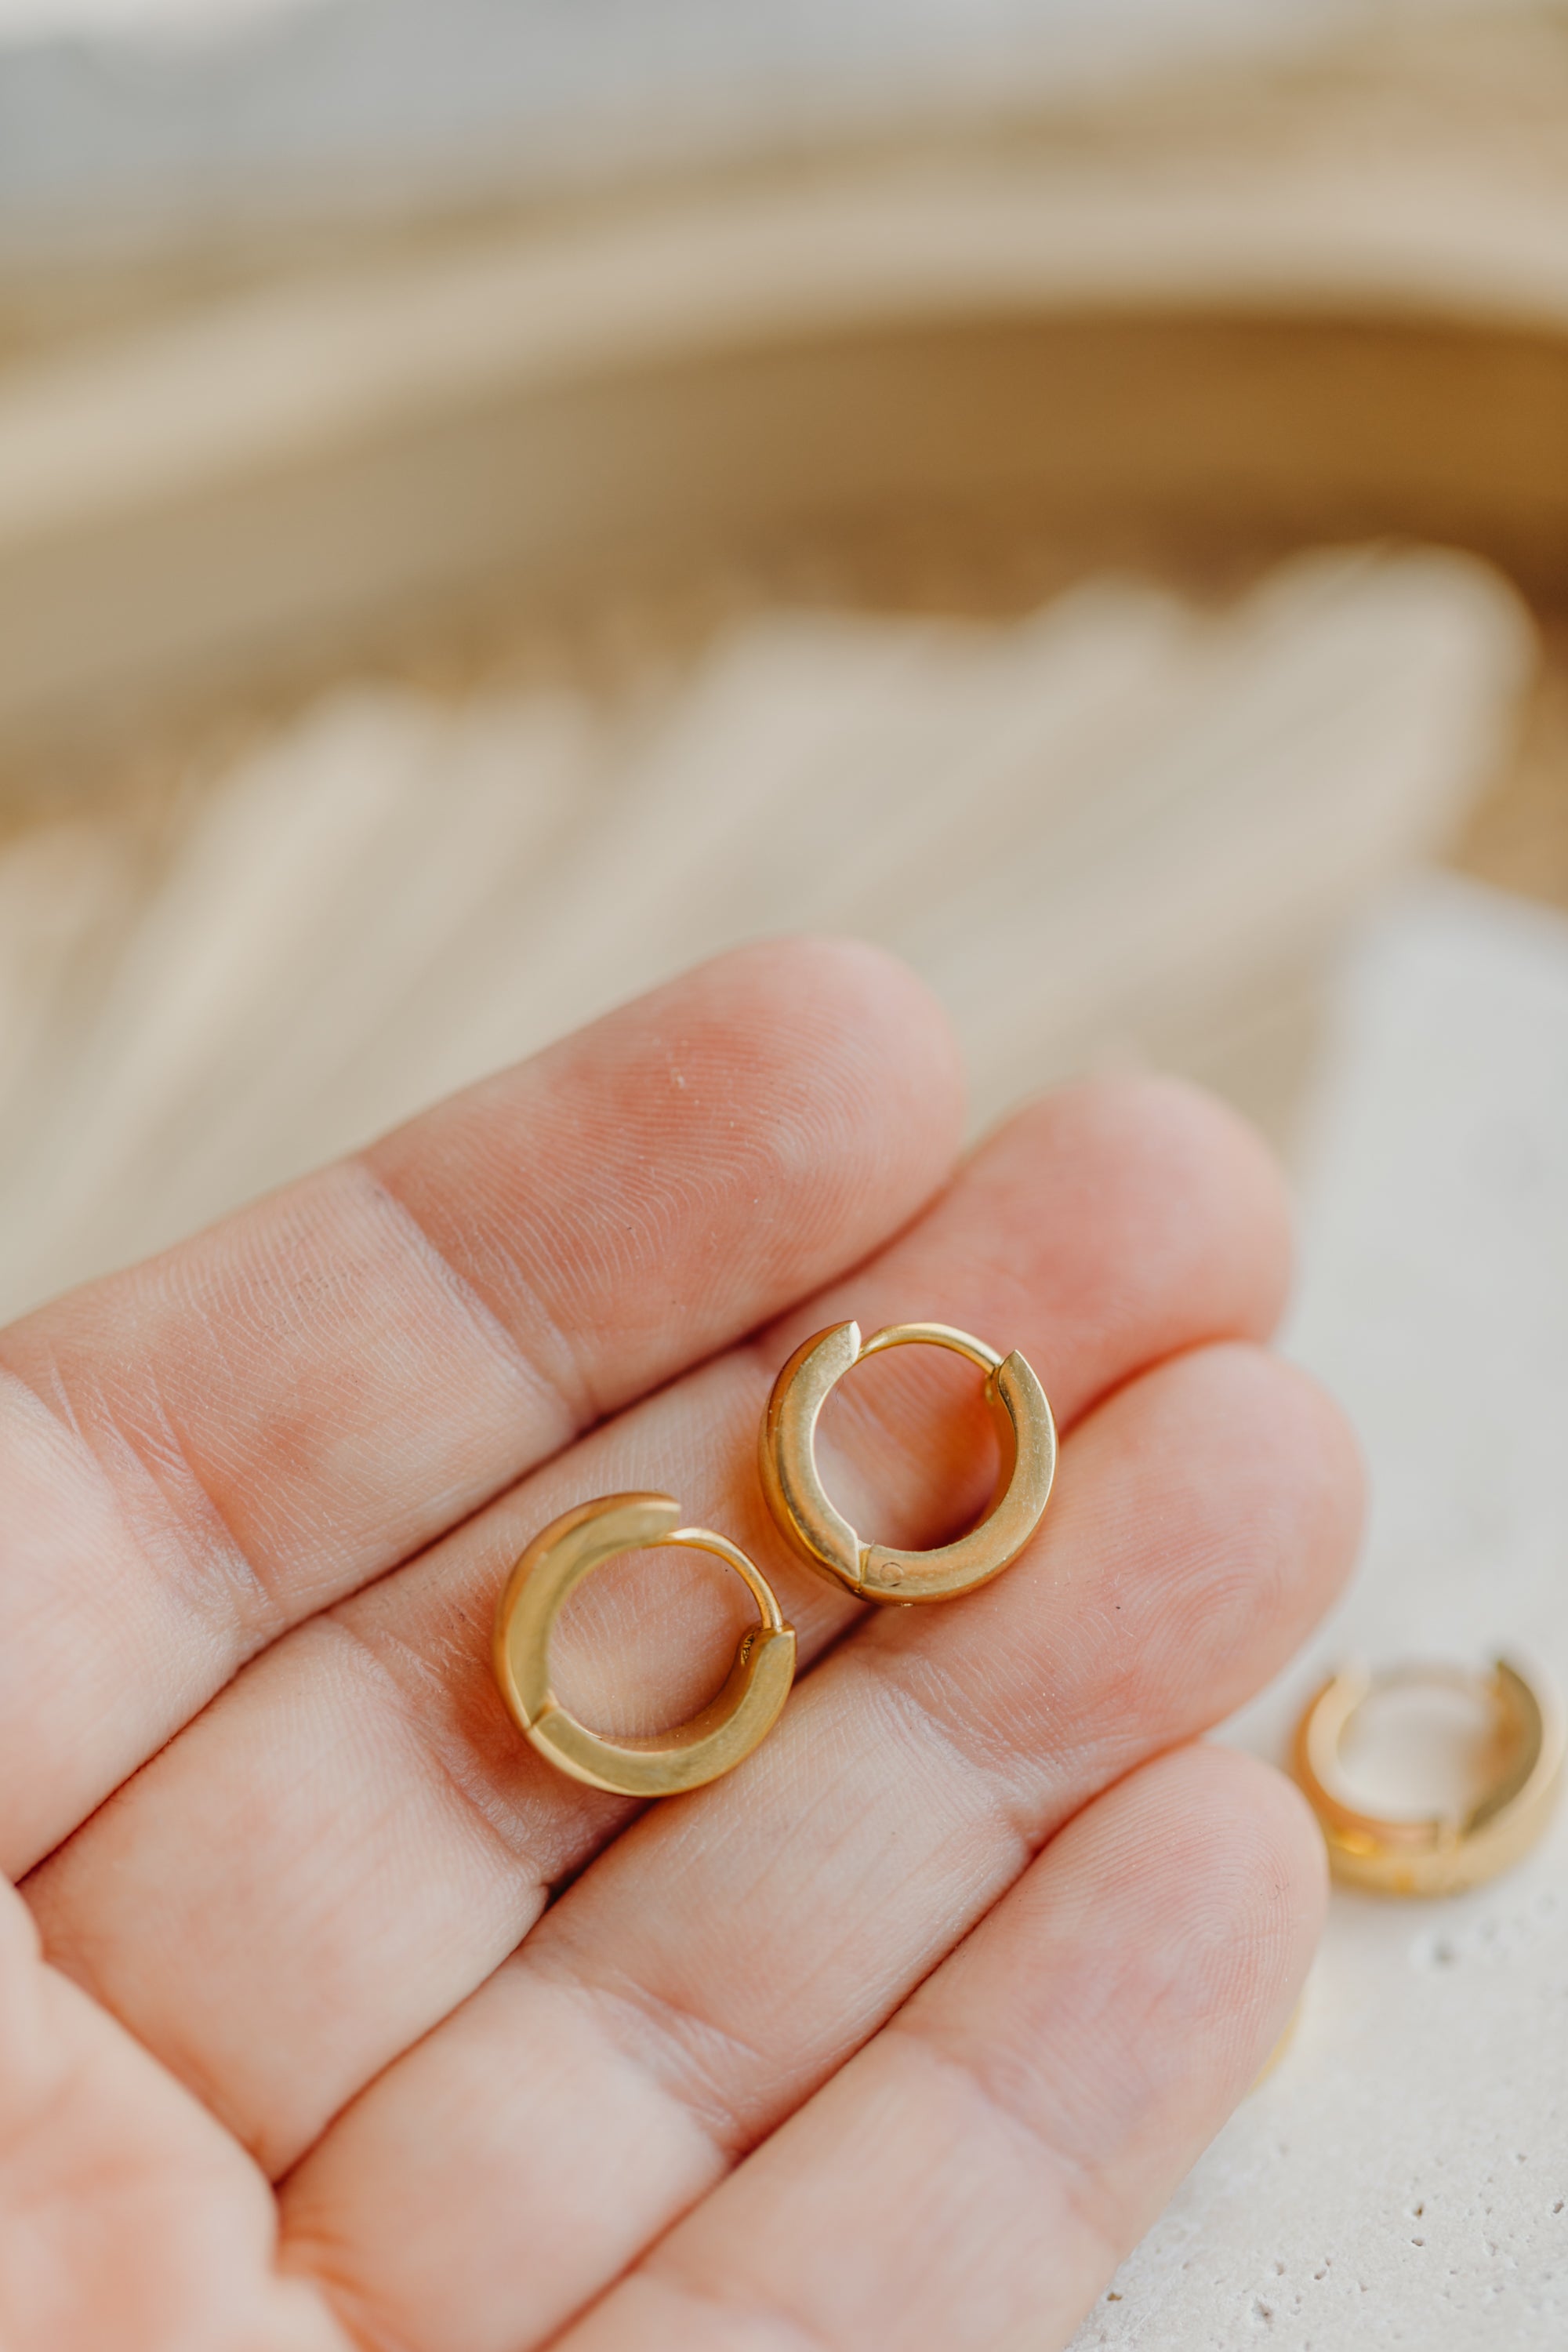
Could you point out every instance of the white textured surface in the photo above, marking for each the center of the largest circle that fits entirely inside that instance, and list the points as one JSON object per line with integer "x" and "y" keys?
{"x": 1403, "y": 2177}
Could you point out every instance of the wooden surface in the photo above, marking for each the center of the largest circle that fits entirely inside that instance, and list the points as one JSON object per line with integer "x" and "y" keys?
{"x": 1322, "y": 306}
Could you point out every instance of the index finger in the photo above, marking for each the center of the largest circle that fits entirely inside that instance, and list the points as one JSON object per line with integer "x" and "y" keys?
{"x": 198, "y": 1453}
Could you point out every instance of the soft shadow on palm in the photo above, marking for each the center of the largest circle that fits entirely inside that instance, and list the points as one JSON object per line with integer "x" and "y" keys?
{"x": 361, "y": 2027}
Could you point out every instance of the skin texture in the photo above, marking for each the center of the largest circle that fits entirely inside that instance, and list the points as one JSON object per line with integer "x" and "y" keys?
{"x": 330, "y": 2017}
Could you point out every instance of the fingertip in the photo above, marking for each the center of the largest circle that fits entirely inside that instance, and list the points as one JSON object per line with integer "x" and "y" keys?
{"x": 1180, "y": 1218}
{"x": 1293, "y": 1467}
{"x": 1301, "y": 1846}
{"x": 1278, "y": 1870}
{"x": 694, "y": 1161}
{"x": 1330, "y": 1486}
{"x": 1272, "y": 1529}
{"x": 1218, "y": 1821}
{"x": 1207, "y": 1186}
{"x": 845, "y": 1063}
{"x": 872, "y": 1012}
{"x": 1268, "y": 1870}
{"x": 1235, "y": 1879}
{"x": 862, "y": 1069}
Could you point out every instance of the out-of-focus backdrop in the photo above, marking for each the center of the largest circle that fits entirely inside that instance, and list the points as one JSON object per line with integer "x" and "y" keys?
{"x": 500, "y": 499}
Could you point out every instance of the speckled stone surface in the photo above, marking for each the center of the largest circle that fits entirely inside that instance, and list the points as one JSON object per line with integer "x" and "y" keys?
{"x": 1401, "y": 2178}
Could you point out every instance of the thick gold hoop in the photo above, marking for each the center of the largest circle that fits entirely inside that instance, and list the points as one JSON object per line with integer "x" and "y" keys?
{"x": 1440, "y": 1853}
{"x": 716, "y": 1738}
{"x": 824, "y": 1536}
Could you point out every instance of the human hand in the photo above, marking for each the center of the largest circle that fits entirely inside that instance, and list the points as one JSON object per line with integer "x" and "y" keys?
{"x": 894, "y": 2038}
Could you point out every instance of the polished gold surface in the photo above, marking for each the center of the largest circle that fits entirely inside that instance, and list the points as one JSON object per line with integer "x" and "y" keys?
{"x": 1442, "y": 1853}
{"x": 663, "y": 1763}
{"x": 823, "y": 1536}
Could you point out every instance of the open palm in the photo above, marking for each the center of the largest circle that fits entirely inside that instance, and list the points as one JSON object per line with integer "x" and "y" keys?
{"x": 357, "y": 2025}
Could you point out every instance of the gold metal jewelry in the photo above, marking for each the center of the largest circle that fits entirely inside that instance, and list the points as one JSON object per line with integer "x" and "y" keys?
{"x": 877, "y": 1571}
{"x": 1443, "y": 1852}
{"x": 665, "y": 1762}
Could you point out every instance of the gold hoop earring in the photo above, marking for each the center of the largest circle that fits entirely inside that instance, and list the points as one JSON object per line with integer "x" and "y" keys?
{"x": 663, "y": 1763}
{"x": 1440, "y": 1853}
{"x": 824, "y": 1538}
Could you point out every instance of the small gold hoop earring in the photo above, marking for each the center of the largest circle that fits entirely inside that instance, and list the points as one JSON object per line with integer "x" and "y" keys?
{"x": 1440, "y": 1853}
{"x": 824, "y": 1538}
{"x": 666, "y": 1762}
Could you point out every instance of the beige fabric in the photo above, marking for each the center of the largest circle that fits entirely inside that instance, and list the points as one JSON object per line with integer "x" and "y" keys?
{"x": 1121, "y": 829}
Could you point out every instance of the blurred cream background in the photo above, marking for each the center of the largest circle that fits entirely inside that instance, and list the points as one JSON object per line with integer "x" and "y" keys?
{"x": 300, "y": 104}
{"x": 497, "y": 501}
{"x": 1121, "y": 829}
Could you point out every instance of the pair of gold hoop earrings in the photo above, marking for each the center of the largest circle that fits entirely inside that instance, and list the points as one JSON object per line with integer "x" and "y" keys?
{"x": 744, "y": 1711}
